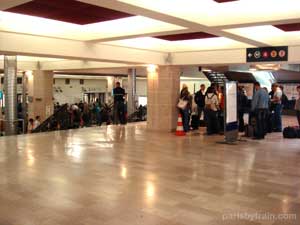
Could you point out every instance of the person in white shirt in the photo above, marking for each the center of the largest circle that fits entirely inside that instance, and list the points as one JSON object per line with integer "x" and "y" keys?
{"x": 277, "y": 106}
{"x": 211, "y": 109}
{"x": 37, "y": 122}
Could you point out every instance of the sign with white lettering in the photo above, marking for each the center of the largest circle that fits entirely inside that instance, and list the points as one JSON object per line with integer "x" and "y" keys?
{"x": 267, "y": 54}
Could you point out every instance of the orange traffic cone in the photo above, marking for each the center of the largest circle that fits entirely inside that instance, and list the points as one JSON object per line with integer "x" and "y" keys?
{"x": 179, "y": 129}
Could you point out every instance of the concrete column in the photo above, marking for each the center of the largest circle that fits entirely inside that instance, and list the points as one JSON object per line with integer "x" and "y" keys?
{"x": 10, "y": 86}
{"x": 163, "y": 94}
{"x": 131, "y": 91}
{"x": 109, "y": 89}
{"x": 40, "y": 94}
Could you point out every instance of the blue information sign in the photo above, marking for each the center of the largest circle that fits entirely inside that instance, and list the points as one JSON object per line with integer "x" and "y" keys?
{"x": 1, "y": 95}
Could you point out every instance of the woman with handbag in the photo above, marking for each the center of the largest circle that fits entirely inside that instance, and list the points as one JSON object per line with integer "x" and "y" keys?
{"x": 184, "y": 105}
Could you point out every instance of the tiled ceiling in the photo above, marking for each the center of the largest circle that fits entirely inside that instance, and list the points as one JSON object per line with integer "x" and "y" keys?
{"x": 186, "y": 36}
{"x": 70, "y": 11}
{"x": 187, "y": 25}
{"x": 289, "y": 27}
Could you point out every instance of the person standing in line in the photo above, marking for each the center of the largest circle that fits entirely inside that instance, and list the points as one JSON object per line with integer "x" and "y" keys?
{"x": 284, "y": 98}
{"x": 200, "y": 100}
{"x": 242, "y": 101}
{"x": 276, "y": 100}
{"x": 297, "y": 105}
{"x": 186, "y": 96}
{"x": 260, "y": 105}
{"x": 119, "y": 107}
{"x": 211, "y": 111}
{"x": 221, "y": 99}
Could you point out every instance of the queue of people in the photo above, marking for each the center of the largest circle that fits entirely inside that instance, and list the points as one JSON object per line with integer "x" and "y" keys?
{"x": 266, "y": 108}
{"x": 210, "y": 104}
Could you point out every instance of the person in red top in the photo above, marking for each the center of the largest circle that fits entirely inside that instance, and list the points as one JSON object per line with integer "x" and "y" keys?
{"x": 221, "y": 99}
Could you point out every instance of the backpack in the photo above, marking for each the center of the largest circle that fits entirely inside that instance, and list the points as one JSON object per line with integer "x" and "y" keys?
{"x": 209, "y": 105}
{"x": 290, "y": 132}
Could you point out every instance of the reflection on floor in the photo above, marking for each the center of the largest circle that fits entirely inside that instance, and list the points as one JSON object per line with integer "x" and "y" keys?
{"x": 120, "y": 175}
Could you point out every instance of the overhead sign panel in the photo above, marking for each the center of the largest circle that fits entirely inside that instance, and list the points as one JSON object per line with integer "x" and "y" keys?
{"x": 267, "y": 54}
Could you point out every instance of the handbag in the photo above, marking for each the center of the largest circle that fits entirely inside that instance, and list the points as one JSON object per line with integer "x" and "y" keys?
{"x": 182, "y": 104}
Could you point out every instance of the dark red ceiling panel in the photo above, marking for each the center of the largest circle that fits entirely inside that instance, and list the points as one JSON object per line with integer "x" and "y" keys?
{"x": 223, "y": 1}
{"x": 186, "y": 36}
{"x": 70, "y": 11}
{"x": 289, "y": 27}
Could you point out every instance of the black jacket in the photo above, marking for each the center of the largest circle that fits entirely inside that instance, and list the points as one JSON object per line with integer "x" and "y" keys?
{"x": 200, "y": 99}
{"x": 119, "y": 94}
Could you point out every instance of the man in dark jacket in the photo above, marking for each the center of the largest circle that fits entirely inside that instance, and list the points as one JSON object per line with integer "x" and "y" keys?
{"x": 119, "y": 107}
{"x": 200, "y": 100}
{"x": 242, "y": 102}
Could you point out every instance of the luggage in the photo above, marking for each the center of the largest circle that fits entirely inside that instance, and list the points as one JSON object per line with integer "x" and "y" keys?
{"x": 202, "y": 123}
{"x": 195, "y": 122}
{"x": 298, "y": 132}
{"x": 249, "y": 130}
{"x": 290, "y": 132}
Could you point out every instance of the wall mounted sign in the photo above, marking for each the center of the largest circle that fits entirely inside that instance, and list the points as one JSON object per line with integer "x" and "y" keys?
{"x": 1, "y": 95}
{"x": 267, "y": 54}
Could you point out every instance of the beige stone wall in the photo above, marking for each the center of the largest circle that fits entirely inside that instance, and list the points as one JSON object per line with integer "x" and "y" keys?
{"x": 163, "y": 93}
{"x": 40, "y": 90}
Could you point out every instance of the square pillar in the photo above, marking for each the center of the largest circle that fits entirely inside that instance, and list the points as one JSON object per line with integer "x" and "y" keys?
{"x": 10, "y": 86}
{"x": 163, "y": 95}
{"x": 40, "y": 94}
{"x": 131, "y": 91}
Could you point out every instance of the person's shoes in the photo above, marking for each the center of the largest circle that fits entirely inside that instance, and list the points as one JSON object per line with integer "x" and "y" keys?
{"x": 257, "y": 138}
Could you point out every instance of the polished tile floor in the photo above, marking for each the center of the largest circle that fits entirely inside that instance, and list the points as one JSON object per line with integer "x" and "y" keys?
{"x": 121, "y": 175}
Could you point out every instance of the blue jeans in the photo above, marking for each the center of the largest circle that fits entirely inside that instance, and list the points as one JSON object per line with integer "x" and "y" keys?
{"x": 200, "y": 111}
{"x": 277, "y": 117}
{"x": 185, "y": 119}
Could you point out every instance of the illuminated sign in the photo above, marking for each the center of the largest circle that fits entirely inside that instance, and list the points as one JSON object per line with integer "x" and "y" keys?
{"x": 267, "y": 54}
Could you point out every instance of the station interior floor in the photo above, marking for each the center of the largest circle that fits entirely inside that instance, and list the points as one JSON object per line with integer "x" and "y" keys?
{"x": 119, "y": 175}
